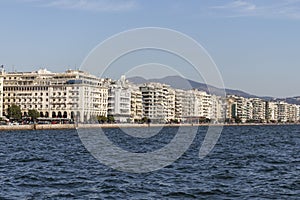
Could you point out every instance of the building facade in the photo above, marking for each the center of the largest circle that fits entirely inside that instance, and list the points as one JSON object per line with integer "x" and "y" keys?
{"x": 73, "y": 94}
{"x": 158, "y": 102}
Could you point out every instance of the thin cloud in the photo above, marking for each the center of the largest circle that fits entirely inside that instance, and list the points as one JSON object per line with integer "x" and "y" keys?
{"x": 274, "y": 9}
{"x": 237, "y": 5}
{"x": 87, "y": 5}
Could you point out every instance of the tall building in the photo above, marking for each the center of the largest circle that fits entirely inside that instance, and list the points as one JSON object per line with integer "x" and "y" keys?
{"x": 191, "y": 105}
{"x": 218, "y": 108}
{"x": 293, "y": 113}
{"x": 73, "y": 94}
{"x": 283, "y": 111}
{"x": 205, "y": 104}
{"x": 259, "y": 109}
{"x": 179, "y": 103}
{"x": 158, "y": 102}
{"x": 136, "y": 102}
{"x": 271, "y": 112}
{"x": 119, "y": 101}
{"x": 241, "y": 108}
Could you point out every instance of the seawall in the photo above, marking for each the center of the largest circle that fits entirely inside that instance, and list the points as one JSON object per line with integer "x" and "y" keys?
{"x": 73, "y": 126}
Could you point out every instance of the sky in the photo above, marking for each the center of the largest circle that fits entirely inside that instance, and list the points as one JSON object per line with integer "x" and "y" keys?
{"x": 255, "y": 44}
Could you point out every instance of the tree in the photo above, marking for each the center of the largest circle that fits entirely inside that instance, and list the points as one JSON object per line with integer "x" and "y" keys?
{"x": 237, "y": 120}
{"x": 33, "y": 114}
{"x": 144, "y": 120}
{"x": 14, "y": 112}
{"x": 102, "y": 119}
{"x": 110, "y": 119}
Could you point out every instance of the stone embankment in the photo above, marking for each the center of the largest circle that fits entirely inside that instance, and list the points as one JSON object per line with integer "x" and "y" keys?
{"x": 75, "y": 126}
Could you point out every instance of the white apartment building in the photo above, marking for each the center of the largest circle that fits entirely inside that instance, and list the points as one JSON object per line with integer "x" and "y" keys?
{"x": 283, "y": 111}
{"x": 293, "y": 113}
{"x": 204, "y": 104}
{"x": 158, "y": 102}
{"x": 190, "y": 105}
{"x": 1, "y": 94}
{"x": 119, "y": 101}
{"x": 241, "y": 108}
{"x": 259, "y": 109}
{"x": 193, "y": 104}
{"x": 179, "y": 103}
{"x": 271, "y": 112}
{"x": 218, "y": 108}
{"x": 169, "y": 103}
{"x": 73, "y": 94}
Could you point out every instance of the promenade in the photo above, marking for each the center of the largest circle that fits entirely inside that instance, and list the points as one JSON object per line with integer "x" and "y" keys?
{"x": 74, "y": 126}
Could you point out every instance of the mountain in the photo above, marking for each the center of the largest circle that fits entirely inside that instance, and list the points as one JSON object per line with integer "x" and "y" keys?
{"x": 291, "y": 100}
{"x": 179, "y": 82}
{"x": 185, "y": 84}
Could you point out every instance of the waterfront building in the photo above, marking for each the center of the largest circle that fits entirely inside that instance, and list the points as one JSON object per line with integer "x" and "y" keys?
{"x": 72, "y": 94}
{"x": 283, "y": 111}
{"x": 179, "y": 102}
{"x": 271, "y": 112}
{"x": 298, "y": 113}
{"x": 136, "y": 101}
{"x": 293, "y": 113}
{"x": 1, "y": 94}
{"x": 230, "y": 109}
{"x": 191, "y": 105}
{"x": 241, "y": 109}
{"x": 259, "y": 109}
{"x": 204, "y": 104}
{"x": 119, "y": 101}
{"x": 158, "y": 102}
{"x": 190, "y": 108}
{"x": 169, "y": 103}
{"x": 218, "y": 108}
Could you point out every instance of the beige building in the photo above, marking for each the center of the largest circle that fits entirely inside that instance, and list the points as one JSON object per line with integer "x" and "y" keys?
{"x": 73, "y": 94}
{"x": 136, "y": 103}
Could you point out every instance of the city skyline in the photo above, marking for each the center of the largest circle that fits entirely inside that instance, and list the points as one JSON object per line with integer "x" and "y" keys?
{"x": 254, "y": 43}
{"x": 83, "y": 97}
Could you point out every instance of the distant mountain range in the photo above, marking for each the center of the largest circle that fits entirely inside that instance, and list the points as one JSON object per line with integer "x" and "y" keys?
{"x": 185, "y": 84}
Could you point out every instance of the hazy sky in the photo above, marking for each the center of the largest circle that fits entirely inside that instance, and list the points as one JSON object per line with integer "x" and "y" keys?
{"x": 255, "y": 44}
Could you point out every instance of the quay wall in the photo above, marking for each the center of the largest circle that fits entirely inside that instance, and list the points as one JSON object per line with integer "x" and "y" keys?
{"x": 75, "y": 126}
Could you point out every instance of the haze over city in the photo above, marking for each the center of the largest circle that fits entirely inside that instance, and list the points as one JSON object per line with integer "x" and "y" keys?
{"x": 255, "y": 44}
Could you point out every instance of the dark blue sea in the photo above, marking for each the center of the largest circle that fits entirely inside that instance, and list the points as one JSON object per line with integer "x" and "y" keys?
{"x": 248, "y": 162}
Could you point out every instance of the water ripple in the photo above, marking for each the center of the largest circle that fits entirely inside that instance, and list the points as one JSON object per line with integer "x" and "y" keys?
{"x": 249, "y": 162}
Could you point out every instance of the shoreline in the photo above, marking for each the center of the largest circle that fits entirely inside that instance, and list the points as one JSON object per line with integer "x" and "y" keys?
{"x": 91, "y": 126}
